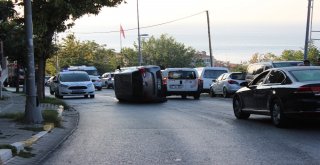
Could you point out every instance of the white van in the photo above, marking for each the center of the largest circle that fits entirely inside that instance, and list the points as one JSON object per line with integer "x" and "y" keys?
{"x": 208, "y": 74}
{"x": 182, "y": 81}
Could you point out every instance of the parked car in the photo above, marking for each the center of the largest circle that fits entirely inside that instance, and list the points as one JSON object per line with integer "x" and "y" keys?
{"x": 72, "y": 83}
{"x": 96, "y": 82}
{"x": 48, "y": 80}
{"x": 108, "y": 79}
{"x": 227, "y": 84}
{"x": 208, "y": 74}
{"x": 182, "y": 81}
{"x": 141, "y": 84}
{"x": 281, "y": 93}
{"x": 257, "y": 68}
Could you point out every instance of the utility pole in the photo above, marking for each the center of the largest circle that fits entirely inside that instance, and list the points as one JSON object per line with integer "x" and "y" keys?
{"x": 139, "y": 39}
{"x": 1, "y": 62}
{"x": 32, "y": 111}
{"x": 306, "y": 43}
{"x": 209, "y": 36}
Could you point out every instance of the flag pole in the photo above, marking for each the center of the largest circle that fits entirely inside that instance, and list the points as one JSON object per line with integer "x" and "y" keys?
{"x": 120, "y": 40}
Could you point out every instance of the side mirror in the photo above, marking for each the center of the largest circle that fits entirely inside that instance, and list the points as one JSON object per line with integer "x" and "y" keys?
{"x": 244, "y": 84}
{"x": 214, "y": 80}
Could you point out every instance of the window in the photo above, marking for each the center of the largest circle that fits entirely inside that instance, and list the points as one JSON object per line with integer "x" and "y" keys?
{"x": 306, "y": 75}
{"x": 213, "y": 74}
{"x": 74, "y": 77}
{"x": 181, "y": 75}
{"x": 275, "y": 77}
{"x": 259, "y": 80}
{"x": 238, "y": 76}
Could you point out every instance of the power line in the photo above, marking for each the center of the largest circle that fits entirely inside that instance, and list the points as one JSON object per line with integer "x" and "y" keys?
{"x": 144, "y": 27}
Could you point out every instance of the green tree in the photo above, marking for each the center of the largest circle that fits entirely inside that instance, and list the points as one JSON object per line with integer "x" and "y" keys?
{"x": 291, "y": 55}
{"x": 53, "y": 16}
{"x": 167, "y": 52}
{"x": 75, "y": 52}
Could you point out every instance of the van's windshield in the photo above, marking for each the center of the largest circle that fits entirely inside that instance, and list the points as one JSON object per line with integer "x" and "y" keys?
{"x": 181, "y": 75}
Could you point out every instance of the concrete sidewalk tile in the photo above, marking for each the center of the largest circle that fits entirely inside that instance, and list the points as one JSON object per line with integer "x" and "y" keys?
{"x": 5, "y": 155}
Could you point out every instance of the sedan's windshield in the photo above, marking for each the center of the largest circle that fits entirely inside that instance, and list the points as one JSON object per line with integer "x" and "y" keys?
{"x": 74, "y": 77}
{"x": 306, "y": 75}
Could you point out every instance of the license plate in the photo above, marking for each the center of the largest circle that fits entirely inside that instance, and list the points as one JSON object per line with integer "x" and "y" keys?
{"x": 175, "y": 86}
{"x": 77, "y": 91}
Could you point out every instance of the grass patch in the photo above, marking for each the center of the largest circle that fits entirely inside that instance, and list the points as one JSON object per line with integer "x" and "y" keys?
{"x": 55, "y": 101}
{"x": 26, "y": 154}
{"x": 51, "y": 116}
{"x": 34, "y": 129}
{"x": 14, "y": 116}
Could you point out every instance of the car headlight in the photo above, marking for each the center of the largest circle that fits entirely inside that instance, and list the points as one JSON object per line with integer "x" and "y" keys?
{"x": 89, "y": 85}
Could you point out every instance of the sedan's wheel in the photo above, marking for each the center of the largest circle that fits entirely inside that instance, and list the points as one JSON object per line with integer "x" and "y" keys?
{"x": 86, "y": 96}
{"x": 91, "y": 96}
{"x": 196, "y": 96}
{"x": 277, "y": 116}
{"x": 211, "y": 93}
{"x": 225, "y": 93}
{"x": 184, "y": 96}
{"x": 237, "y": 109}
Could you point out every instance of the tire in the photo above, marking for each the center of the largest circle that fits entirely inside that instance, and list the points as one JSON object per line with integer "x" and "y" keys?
{"x": 99, "y": 88}
{"x": 86, "y": 96}
{"x": 237, "y": 109}
{"x": 196, "y": 96}
{"x": 225, "y": 93}
{"x": 184, "y": 96}
{"x": 51, "y": 92}
{"x": 211, "y": 93}
{"x": 277, "y": 116}
{"x": 91, "y": 96}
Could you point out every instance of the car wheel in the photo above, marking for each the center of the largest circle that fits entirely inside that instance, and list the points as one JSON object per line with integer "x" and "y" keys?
{"x": 211, "y": 93}
{"x": 86, "y": 96}
{"x": 51, "y": 92}
{"x": 237, "y": 109}
{"x": 277, "y": 116}
{"x": 99, "y": 88}
{"x": 184, "y": 96}
{"x": 196, "y": 96}
{"x": 56, "y": 94}
{"x": 225, "y": 93}
{"x": 91, "y": 96}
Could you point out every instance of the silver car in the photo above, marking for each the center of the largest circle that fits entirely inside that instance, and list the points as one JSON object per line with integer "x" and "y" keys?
{"x": 227, "y": 84}
{"x": 72, "y": 83}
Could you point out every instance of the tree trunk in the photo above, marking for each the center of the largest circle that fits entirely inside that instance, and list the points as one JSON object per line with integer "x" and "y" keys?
{"x": 40, "y": 77}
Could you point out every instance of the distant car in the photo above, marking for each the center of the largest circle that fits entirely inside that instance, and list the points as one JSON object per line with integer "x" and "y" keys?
{"x": 282, "y": 93}
{"x": 72, "y": 83}
{"x": 227, "y": 84}
{"x": 108, "y": 79}
{"x": 139, "y": 84}
{"x": 208, "y": 74}
{"x": 96, "y": 82}
{"x": 257, "y": 68}
{"x": 182, "y": 81}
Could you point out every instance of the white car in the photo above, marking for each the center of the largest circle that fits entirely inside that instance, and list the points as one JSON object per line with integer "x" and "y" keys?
{"x": 108, "y": 79}
{"x": 182, "y": 81}
{"x": 96, "y": 82}
{"x": 72, "y": 83}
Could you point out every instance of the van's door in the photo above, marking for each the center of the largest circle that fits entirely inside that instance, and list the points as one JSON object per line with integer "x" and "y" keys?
{"x": 182, "y": 80}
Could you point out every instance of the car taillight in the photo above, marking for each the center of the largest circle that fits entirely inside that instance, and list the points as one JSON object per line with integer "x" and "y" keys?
{"x": 306, "y": 89}
{"x": 232, "y": 82}
{"x": 200, "y": 81}
{"x": 164, "y": 80}
{"x": 142, "y": 72}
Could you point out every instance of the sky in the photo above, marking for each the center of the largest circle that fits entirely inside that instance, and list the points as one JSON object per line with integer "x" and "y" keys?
{"x": 239, "y": 28}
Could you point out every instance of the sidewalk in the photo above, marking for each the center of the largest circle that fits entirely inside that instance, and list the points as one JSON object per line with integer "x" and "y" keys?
{"x": 42, "y": 143}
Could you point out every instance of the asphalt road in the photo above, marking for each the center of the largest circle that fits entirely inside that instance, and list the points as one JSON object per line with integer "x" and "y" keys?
{"x": 181, "y": 131}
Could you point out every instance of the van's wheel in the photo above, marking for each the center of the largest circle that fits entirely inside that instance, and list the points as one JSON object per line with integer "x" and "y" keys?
{"x": 197, "y": 96}
{"x": 277, "y": 116}
{"x": 184, "y": 96}
{"x": 225, "y": 93}
{"x": 237, "y": 109}
{"x": 91, "y": 96}
{"x": 86, "y": 96}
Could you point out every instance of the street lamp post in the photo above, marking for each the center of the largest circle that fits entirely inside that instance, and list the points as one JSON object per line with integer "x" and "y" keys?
{"x": 139, "y": 39}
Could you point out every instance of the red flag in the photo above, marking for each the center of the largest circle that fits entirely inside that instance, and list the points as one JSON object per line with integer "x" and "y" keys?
{"x": 122, "y": 32}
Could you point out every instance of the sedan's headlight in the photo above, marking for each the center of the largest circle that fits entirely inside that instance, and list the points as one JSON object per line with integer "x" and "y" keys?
{"x": 89, "y": 85}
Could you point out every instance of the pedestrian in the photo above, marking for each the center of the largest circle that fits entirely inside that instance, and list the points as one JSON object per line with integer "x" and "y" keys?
{"x": 306, "y": 63}
{"x": 317, "y": 62}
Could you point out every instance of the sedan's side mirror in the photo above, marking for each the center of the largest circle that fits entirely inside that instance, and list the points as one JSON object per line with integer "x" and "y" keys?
{"x": 244, "y": 84}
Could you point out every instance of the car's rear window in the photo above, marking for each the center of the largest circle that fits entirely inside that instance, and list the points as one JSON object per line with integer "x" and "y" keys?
{"x": 213, "y": 73}
{"x": 181, "y": 75}
{"x": 238, "y": 76}
{"x": 306, "y": 75}
{"x": 74, "y": 77}
{"x": 286, "y": 64}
